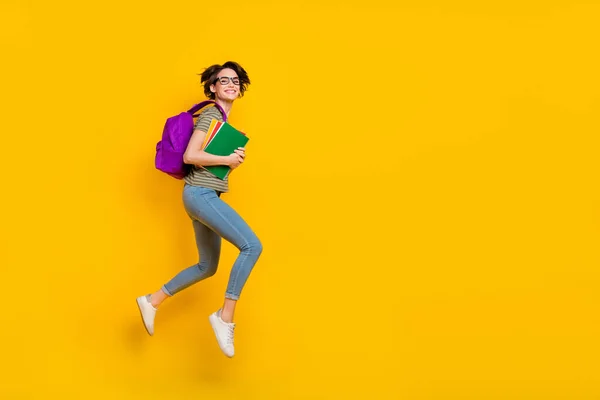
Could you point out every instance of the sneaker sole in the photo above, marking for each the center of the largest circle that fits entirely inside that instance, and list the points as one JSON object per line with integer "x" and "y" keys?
{"x": 137, "y": 301}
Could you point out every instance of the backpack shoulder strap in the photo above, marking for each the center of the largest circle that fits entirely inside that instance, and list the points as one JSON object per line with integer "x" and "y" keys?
{"x": 203, "y": 104}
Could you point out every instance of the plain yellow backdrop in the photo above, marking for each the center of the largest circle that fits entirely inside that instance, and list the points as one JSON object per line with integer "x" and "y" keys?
{"x": 423, "y": 176}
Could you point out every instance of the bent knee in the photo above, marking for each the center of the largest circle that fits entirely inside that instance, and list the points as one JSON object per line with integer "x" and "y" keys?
{"x": 207, "y": 269}
{"x": 253, "y": 246}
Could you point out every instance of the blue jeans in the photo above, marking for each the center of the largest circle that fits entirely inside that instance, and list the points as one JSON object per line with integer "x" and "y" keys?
{"x": 214, "y": 219}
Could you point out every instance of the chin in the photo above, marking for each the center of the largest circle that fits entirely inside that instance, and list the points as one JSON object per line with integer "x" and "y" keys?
{"x": 228, "y": 96}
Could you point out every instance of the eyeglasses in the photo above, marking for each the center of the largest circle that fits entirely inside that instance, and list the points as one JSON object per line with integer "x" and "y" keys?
{"x": 225, "y": 80}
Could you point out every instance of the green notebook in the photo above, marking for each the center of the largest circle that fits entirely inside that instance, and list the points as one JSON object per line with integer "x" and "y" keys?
{"x": 224, "y": 142}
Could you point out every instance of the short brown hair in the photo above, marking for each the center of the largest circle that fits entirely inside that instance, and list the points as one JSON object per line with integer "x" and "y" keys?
{"x": 209, "y": 77}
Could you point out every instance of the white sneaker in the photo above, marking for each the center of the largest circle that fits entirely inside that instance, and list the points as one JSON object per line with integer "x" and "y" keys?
{"x": 223, "y": 332}
{"x": 148, "y": 313}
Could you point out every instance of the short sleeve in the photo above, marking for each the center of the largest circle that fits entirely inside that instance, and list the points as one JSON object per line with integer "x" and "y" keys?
{"x": 206, "y": 117}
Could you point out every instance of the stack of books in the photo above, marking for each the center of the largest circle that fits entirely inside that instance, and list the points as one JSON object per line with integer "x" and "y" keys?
{"x": 222, "y": 139}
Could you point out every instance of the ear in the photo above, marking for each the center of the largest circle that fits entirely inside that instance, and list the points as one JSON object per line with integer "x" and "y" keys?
{"x": 212, "y": 89}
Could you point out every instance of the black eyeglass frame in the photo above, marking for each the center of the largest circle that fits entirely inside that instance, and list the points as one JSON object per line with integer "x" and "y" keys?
{"x": 228, "y": 79}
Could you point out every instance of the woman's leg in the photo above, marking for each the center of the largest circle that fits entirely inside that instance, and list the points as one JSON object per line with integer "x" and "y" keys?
{"x": 213, "y": 212}
{"x": 209, "y": 248}
{"x": 226, "y": 222}
{"x": 204, "y": 206}
{"x": 222, "y": 219}
{"x": 209, "y": 251}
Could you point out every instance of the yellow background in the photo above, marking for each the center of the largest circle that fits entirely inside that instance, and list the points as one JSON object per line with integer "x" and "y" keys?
{"x": 423, "y": 176}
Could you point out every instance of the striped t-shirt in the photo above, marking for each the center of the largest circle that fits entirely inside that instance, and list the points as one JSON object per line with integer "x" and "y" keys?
{"x": 198, "y": 176}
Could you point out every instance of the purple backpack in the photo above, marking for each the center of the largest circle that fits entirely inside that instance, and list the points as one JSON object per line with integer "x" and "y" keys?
{"x": 175, "y": 137}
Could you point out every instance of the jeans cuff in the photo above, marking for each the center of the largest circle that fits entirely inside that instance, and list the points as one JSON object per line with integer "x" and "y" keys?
{"x": 164, "y": 289}
{"x": 231, "y": 296}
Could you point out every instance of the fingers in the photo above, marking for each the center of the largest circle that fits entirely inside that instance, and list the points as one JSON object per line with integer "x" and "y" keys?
{"x": 240, "y": 153}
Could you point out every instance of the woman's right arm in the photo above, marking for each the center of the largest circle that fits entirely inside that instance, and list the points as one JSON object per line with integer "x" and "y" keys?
{"x": 194, "y": 154}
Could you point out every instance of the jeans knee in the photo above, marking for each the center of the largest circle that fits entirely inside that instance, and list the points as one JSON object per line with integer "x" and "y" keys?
{"x": 258, "y": 247}
{"x": 253, "y": 247}
{"x": 207, "y": 269}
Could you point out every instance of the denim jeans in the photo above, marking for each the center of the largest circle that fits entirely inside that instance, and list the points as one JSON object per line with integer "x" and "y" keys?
{"x": 212, "y": 220}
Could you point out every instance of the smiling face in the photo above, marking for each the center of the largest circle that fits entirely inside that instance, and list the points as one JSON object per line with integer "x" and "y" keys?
{"x": 227, "y": 85}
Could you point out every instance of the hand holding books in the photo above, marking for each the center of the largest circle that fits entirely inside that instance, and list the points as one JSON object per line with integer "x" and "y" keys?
{"x": 237, "y": 157}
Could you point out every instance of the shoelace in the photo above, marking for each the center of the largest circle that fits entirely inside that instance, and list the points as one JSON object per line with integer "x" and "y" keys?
{"x": 230, "y": 334}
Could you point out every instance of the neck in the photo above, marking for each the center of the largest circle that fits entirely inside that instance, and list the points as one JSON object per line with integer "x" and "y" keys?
{"x": 225, "y": 104}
